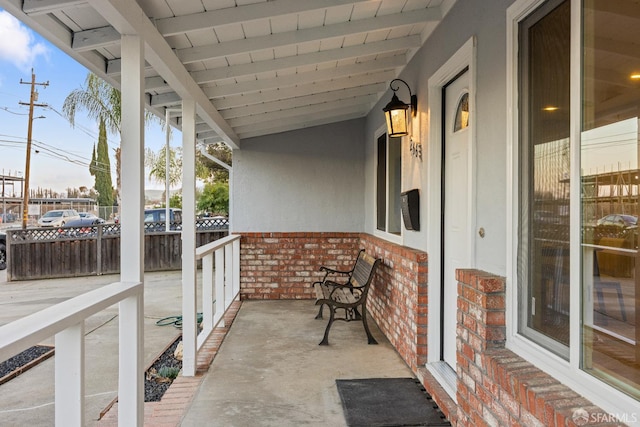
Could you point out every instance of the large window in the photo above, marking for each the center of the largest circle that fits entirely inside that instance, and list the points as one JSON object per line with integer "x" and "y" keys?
{"x": 610, "y": 173}
{"x": 388, "y": 184}
{"x": 605, "y": 136}
{"x": 543, "y": 266}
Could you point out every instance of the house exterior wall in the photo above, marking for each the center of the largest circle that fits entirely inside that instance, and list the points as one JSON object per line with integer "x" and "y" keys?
{"x": 486, "y": 22}
{"x": 495, "y": 386}
{"x": 305, "y": 180}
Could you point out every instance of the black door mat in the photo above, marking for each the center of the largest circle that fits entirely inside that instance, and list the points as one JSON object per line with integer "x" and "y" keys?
{"x": 386, "y": 402}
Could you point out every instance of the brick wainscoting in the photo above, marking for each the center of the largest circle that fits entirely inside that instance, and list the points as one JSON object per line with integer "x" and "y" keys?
{"x": 284, "y": 265}
{"x": 496, "y": 386}
{"x": 399, "y": 298}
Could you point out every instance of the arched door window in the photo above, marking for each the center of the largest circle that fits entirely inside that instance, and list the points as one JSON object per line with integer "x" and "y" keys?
{"x": 462, "y": 113}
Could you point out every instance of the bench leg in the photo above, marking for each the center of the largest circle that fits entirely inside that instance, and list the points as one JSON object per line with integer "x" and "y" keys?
{"x": 325, "y": 339}
{"x": 370, "y": 338}
{"x": 319, "y": 315}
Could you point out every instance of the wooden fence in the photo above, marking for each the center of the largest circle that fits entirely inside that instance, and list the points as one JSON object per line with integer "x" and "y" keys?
{"x": 95, "y": 250}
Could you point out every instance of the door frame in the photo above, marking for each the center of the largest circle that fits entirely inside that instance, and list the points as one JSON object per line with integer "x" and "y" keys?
{"x": 465, "y": 57}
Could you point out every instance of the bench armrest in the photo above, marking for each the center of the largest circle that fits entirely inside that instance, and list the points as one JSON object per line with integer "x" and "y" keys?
{"x": 329, "y": 270}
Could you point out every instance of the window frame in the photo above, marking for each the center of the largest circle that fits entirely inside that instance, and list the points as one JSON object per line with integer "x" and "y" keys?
{"x": 385, "y": 234}
{"x": 543, "y": 10}
{"x": 567, "y": 371}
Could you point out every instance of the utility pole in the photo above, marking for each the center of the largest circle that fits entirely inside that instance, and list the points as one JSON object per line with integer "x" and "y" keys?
{"x": 31, "y": 104}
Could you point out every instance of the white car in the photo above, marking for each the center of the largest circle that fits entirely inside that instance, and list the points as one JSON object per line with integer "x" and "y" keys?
{"x": 58, "y": 218}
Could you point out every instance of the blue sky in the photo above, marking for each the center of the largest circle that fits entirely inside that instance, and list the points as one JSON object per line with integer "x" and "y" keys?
{"x": 60, "y": 152}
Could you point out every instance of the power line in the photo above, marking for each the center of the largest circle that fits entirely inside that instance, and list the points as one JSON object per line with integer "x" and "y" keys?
{"x": 11, "y": 112}
{"x": 84, "y": 129}
{"x": 54, "y": 153}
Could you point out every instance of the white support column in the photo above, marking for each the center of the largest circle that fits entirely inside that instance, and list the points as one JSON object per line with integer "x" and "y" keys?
{"x": 131, "y": 327}
{"x": 167, "y": 165}
{"x": 236, "y": 267}
{"x": 208, "y": 294}
{"x": 220, "y": 290}
{"x": 189, "y": 293}
{"x": 228, "y": 275}
{"x": 69, "y": 376}
{"x": 231, "y": 201}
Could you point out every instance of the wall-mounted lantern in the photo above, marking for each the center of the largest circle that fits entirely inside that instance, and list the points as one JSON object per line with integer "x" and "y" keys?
{"x": 396, "y": 112}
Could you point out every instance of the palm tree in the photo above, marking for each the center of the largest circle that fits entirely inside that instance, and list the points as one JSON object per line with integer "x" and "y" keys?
{"x": 101, "y": 102}
{"x": 157, "y": 166}
{"x": 156, "y": 163}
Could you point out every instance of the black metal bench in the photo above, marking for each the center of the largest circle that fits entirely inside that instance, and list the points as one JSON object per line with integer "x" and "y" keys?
{"x": 346, "y": 290}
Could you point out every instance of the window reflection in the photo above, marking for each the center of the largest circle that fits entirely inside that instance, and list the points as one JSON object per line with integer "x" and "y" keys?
{"x": 610, "y": 193}
{"x": 543, "y": 253}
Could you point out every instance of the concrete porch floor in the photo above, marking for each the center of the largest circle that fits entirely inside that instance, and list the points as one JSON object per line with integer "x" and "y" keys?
{"x": 270, "y": 370}
{"x": 267, "y": 369}
{"x": 264, "y": 368}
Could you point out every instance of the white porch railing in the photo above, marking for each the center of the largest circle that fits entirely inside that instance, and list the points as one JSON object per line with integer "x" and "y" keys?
{"x": 65, "y": 321}
{"x": 220, "y": 291}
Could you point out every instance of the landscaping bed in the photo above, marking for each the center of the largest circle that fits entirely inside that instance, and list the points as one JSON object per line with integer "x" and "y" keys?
{"x": 24, "y": 361}
{"x": 161, "y": 373}
{"x": 158, "y": 376}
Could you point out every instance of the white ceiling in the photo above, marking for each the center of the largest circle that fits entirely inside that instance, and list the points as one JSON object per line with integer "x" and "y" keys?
{"x": 260, "y": 66}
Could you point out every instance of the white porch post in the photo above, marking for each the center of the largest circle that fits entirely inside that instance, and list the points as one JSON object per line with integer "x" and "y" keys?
{"x": 131, "y": 370}
{"x": 69, "y": 376}
{"x": 189, "y": 307}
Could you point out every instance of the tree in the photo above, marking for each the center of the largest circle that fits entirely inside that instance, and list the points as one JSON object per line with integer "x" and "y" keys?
{"x": 214, "y": 198}
{"x": 156, "y": 162}
{"x": 222, "y": 152}
{"x": 101, "y": 169}
{"x": 81, "y": 191}
{"x": 101, "y": 102}
{"x": 94, "y": 161}
{"x": 175, "y": 201}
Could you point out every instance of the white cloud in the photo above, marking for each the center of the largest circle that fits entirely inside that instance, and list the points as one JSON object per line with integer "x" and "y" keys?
{"x": 18, "y": 45}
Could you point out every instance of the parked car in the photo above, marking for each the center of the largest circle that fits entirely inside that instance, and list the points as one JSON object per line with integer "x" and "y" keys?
{"x": 84, "y": 215}
{"x": 213, "y": 222}
{"x": 3, "y": 251}
{"x": 159, "y": 215}
{"x": 8, "y": 217}
{"x": 154, "y": 219}
{"x": 58, "y": 217}
{"x": 618, "y": 226}
{"x": 82, "y": 227}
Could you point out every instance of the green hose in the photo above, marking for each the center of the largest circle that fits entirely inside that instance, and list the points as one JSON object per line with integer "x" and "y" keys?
{"x": 176, "y": 320}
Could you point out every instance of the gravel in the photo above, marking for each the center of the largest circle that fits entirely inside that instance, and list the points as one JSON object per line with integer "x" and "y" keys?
{"x": 16, "y": 362}
{"x": 154, "y": 388}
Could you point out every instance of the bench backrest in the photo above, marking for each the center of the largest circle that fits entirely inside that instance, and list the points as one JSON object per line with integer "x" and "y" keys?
{"x": 364, "y": 269}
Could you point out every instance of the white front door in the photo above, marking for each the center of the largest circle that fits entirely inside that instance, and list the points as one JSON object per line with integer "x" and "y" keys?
{"x": 455, "y": 193}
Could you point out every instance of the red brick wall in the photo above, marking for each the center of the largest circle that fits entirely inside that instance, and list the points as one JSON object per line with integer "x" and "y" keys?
{"x": 398, "y": 299}
{"x": 496, "y": 386}
{"x": 284, "y": 265}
